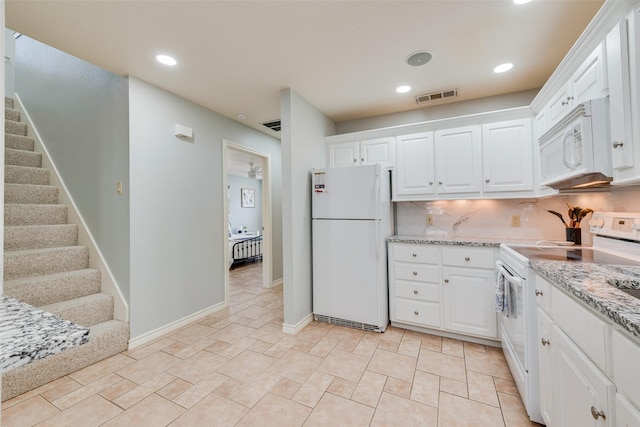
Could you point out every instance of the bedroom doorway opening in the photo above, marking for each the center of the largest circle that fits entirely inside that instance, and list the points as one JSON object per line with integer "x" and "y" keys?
{"x": 247, "y": 218}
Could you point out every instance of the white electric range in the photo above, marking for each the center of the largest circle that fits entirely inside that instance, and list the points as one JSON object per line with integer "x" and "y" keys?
{"x": 616, "y": 241}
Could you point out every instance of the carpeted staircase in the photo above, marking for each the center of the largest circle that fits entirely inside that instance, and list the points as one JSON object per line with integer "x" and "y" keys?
{"x": 45, "y": 267}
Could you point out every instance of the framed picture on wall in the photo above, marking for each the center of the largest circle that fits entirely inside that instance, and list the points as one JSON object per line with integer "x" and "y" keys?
{"x": 248, "y": 199}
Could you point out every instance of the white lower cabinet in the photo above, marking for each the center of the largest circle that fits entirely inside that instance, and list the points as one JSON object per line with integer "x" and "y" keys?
{"x": 588, "y": 367}
{"x": 544, "y": 359}
{"x": 627, "y": 415}
{"x": 469, "y": 295}
{"x": 443, "y": 288}
{"x": 581, "y": 392}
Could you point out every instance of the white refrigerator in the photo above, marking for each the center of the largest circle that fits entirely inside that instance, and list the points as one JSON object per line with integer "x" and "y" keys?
{"x": 351, "y": 221}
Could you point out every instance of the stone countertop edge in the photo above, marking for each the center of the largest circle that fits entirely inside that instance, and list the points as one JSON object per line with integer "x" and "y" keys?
{"x": 458, "y": 241}
{"x": 593, "y": 285}
{"x": 28, "y": 333}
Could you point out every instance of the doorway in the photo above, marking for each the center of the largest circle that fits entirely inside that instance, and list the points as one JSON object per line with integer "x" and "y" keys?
{"x": 247, "y": 216}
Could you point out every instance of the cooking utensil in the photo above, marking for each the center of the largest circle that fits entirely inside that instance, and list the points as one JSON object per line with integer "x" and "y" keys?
{"x": 559, "y": 215}
{"x": 583, "y": 213}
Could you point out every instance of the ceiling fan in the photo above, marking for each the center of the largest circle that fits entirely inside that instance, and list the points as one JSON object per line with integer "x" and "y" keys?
{"x": 254, "y": 171}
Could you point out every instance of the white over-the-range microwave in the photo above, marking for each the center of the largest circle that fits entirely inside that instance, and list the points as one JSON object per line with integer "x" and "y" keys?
{"x": 575, "y": 153}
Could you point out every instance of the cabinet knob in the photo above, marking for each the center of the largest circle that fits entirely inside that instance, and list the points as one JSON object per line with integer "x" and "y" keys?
{"x": 430, "y": 182}
{"x": 487, "y": 180}
{"x": 467, "y": 258}
{"x": 538, "y": 293}
{"x": 415, "y": 292}
{"x": 617, "y": 144}
{"x": 414, "y": 255}
{"x": 362, "y": 159}
{"x": 564, "y": 103}
{"x": 545, "y": 342}
{"x": 440, "y": 182}
{"x": 415, "y": 273}
{"x": 355, "y": 160}
{"x": 446, "y": 280}
{"x": 416, "y": 312}
{"x": 597, "y": 414}
{"x": 569, "y": 98}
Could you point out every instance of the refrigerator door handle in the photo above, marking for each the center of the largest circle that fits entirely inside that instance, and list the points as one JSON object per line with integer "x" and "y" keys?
{"x": 377, "y": 217}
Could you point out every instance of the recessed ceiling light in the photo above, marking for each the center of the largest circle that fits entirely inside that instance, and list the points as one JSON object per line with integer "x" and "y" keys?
{"x": 419, "y": 58}
{"x": 521, "y": 1}
{"x": 166, "y": 60}
{"x": 503, "y": 67}
{"x": 241, "y": 116}
{"x": 403, "y": 89}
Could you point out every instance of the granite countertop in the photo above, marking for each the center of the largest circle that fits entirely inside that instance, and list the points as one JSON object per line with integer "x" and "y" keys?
{"x": 596, "y": 286}
{"x": 458, "y": 241}
{"x": 28, "y": 333}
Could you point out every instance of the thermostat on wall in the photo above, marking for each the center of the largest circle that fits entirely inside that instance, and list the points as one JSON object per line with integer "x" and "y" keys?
{"x": 183, "y": 132}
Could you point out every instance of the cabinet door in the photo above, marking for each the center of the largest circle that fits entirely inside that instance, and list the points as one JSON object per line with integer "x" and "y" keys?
{"x": 378, "y": 150}
{"x": 468, "y": 301}
{"x": 507, "y": 153}
{"x": 458, "y": 160}
{"x": 559, "y": 105}
{"x": 546, "y": 374}
{"x": 414, "y": 171}
{"x": 343, "y": 154}
{"x": 589, "y": 79}
{"x": 541, "y": 125}
{"x": 619, "y": 97}
{"x": 582, "y": 393}
{"x": 627, "y": 415}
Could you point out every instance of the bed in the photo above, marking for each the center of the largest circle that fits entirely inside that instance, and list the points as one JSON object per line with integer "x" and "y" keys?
{"x": 244, "y": 249}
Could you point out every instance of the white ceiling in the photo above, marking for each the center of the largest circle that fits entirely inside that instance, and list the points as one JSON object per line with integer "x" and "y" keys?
{"x": 238, "y": 163}
{"x": 345, "y": 57}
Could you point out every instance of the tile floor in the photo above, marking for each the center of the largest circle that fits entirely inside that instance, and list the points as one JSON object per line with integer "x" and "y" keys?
{"x": 236, "y": 368}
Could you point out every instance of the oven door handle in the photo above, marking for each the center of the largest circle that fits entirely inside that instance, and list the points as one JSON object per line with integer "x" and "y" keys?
{"x": 507, "y": 275}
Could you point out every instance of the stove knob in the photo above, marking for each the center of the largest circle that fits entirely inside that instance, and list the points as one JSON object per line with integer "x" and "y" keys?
{"x": 596, "y": 222}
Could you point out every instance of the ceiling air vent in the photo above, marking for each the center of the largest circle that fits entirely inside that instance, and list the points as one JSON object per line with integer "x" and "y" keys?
{"x": 436, "y": 96}
{"x": 274, "y": 125}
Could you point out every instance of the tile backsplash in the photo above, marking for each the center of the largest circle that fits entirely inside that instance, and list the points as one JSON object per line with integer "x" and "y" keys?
{"x": 493, "y": 218}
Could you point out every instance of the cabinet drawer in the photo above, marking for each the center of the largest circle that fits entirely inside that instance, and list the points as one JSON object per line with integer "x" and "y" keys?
{"x": 543, "y": 293}
{"x": 417, "y": 272}
{"x": 626, "y": 355}
{"x": 417, "y": 290}
{"x": 416, "y": 253}
{"x": 467, "y": 257}
{"x": 585, "y": 329}
{"x": 418, "y": 312}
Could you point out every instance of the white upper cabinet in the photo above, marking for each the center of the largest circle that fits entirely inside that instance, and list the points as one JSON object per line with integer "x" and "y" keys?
{"x": 365, "y": 152}
{"x": 378, "y": 150}
{"x": 623, "y": 65}
{"x": 458, "y": 160}
{"x": 589, "y": 81}
{"x": 414, "y": 174}
{"x": 343, "y": 154}
{"x": 507, "y": 152}
{"x": 617, "y": 43}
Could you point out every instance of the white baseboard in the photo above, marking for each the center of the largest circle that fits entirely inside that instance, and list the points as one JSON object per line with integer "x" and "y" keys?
{"x": 276, "y": 283}
{"x": 294, "y": 329}
{"x": 163, "y": 330}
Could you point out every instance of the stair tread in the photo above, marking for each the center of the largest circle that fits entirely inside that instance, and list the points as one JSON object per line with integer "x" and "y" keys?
{"x": 52, "y": 276}
{"x": 85, "y": 311}
{"x": 105, "y": 340}
{"x": 55, "y": 287}
{"x": 22, "y": 252}
{"x": 36, "y": 214}
{"x": 19, "y": 237}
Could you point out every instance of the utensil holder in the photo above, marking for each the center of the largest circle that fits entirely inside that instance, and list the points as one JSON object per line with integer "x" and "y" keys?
{"x": 574, "y": 235}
